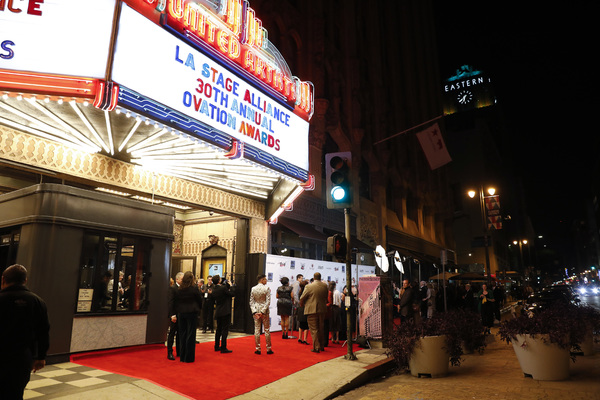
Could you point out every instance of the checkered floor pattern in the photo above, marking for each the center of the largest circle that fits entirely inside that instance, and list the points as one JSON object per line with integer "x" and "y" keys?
{"x": 68, "y": 378}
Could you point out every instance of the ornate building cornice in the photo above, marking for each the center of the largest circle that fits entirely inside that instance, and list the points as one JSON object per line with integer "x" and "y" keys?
{"x": 99, "y": 169}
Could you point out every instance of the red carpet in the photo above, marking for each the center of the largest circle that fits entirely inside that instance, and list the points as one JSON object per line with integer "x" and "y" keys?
{"x": 213, "y": 375}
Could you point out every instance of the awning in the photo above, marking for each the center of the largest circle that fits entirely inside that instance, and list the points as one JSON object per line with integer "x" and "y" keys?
{"x": 447, "y": 275}
{"x": 473, "y": 276}
{"x": 303, "y": 229}
{"x": 416, "y": 247}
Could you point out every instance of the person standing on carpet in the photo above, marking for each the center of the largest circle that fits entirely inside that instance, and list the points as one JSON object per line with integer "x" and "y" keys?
{"x": 222, "y": 294}
{"x": 208, "y": 306}
{"x": 314, "y": 300}
{"x": 188, "y": 301}
{"x": 302, "y": 322}
{"x": 284, "y": 305}
{"x": 296, "y": 300}
{"x": 335, "y": 321}
{"x": 172, "y": 314}
{"x": 260, "y": 300}
{"x": 24, "y": 327}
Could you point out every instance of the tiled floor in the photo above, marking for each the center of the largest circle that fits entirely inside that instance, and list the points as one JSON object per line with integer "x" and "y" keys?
{"x": 69, "y": 379}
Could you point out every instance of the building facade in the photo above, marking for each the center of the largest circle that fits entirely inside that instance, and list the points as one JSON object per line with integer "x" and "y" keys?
{"x": 160, "y": 137}
{"x": 377, "y": 84}
{"x": 112, "y": 184}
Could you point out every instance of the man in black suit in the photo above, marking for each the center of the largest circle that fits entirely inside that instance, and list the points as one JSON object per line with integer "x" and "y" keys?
{"x": 172, "y": 313}
{"x": 24, "y": 337}
{"x": 222, "y": 293}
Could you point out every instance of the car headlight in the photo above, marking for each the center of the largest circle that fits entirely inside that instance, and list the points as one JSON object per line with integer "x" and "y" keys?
{"x": 595, "y": 290}
{"x": 582, "y": 290}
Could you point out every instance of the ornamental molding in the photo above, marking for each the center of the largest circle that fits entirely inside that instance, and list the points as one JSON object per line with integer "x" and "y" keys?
{"x": 99, "y": 169}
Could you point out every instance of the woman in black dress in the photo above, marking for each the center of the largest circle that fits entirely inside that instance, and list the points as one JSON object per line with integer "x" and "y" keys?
{"x": 284, "y": 305}
{"x": 302, "y": 321}
{"x": 188, "y": 302}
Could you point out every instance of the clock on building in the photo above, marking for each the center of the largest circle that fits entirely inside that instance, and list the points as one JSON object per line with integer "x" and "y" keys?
{"x": 465, "y": 96}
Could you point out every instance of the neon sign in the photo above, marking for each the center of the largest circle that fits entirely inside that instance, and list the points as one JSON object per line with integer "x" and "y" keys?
{"x": 214, "y": 103}
{"x": 235, "y": 33}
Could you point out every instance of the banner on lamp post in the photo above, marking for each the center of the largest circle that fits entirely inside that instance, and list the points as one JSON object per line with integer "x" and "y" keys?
{"x": 492, "y": 209}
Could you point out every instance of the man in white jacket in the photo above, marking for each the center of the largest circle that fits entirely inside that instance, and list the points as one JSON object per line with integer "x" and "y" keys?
{"x": 260, "y": 300}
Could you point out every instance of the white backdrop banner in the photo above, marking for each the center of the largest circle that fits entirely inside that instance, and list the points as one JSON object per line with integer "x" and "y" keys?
{"x": 279, "y": 266}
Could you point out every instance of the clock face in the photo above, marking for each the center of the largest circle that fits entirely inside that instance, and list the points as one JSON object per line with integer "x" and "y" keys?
{"x": 465, "y": 96}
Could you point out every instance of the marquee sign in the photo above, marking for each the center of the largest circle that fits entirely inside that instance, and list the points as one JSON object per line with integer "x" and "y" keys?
{"x": 188, "y": 81}
{"x": 235, "y": 35}
{"x": 203, "y": 67}
{"x": 66, "y": 37}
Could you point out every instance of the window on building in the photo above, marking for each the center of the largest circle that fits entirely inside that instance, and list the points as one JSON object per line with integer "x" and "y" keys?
{"x": 364, "y": 187}
{"x": 114, "y": 273}
{"x": 9, "y": 245}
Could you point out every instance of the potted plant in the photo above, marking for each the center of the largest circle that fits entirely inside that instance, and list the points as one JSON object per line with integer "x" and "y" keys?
{"x": 470, "y": 330}
{"x": 427, "y": 347}
{"x": 590, "y": 318}
{"x": 542, "y": 340}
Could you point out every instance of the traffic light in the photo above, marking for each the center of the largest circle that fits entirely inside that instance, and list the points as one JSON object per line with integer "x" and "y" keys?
{"x": 337, "y": 246}
{"x": 338, "y": 182}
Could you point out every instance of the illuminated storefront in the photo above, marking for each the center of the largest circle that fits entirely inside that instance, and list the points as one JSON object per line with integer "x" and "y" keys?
{"x": 186, "y": 102}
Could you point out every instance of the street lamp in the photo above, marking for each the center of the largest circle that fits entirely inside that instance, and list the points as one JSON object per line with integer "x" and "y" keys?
{"x": 521, "y": 243}
{"x": 471, "y": 193}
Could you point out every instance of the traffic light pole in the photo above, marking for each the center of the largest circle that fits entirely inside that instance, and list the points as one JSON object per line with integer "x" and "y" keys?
{"x": 350, "y": 354}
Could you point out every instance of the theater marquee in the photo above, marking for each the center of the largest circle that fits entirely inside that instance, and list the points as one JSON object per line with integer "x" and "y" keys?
{"x": 202, "y": 71}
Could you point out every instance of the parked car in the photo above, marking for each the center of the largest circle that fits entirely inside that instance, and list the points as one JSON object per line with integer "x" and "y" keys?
{"x": 549, "y": 296}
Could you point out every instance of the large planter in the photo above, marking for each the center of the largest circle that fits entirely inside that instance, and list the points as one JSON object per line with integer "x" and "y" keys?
{"x": 587, "y": 346}
{"x": 430, "y": 357}
{"x": 540, "y": 360}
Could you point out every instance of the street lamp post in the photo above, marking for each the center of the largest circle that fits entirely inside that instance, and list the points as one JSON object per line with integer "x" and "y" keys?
{"x": 521, "y": 243}
{"x": 472, "y": 193}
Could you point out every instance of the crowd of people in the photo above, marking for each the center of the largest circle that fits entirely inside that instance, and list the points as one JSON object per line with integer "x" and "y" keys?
{"x": 312, "y": 306}
{"x": 423, "y": 300}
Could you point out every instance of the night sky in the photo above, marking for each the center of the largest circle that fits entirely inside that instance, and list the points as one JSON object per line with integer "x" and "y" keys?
{"x": 542, "y": 59}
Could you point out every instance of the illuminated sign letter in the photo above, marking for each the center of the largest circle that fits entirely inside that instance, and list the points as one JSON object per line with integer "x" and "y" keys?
{"x": 233, "y": 16}
{"x": 176, "y": 8}
{"x": 192, "y": 17}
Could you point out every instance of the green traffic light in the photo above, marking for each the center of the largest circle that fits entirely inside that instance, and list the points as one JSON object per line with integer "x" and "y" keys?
{"x": 338, "y": 193}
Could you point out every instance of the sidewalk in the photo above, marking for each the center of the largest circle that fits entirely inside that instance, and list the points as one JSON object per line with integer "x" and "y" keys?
{"x": 327, "y": 379}
{"x": 495, "y": 374}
